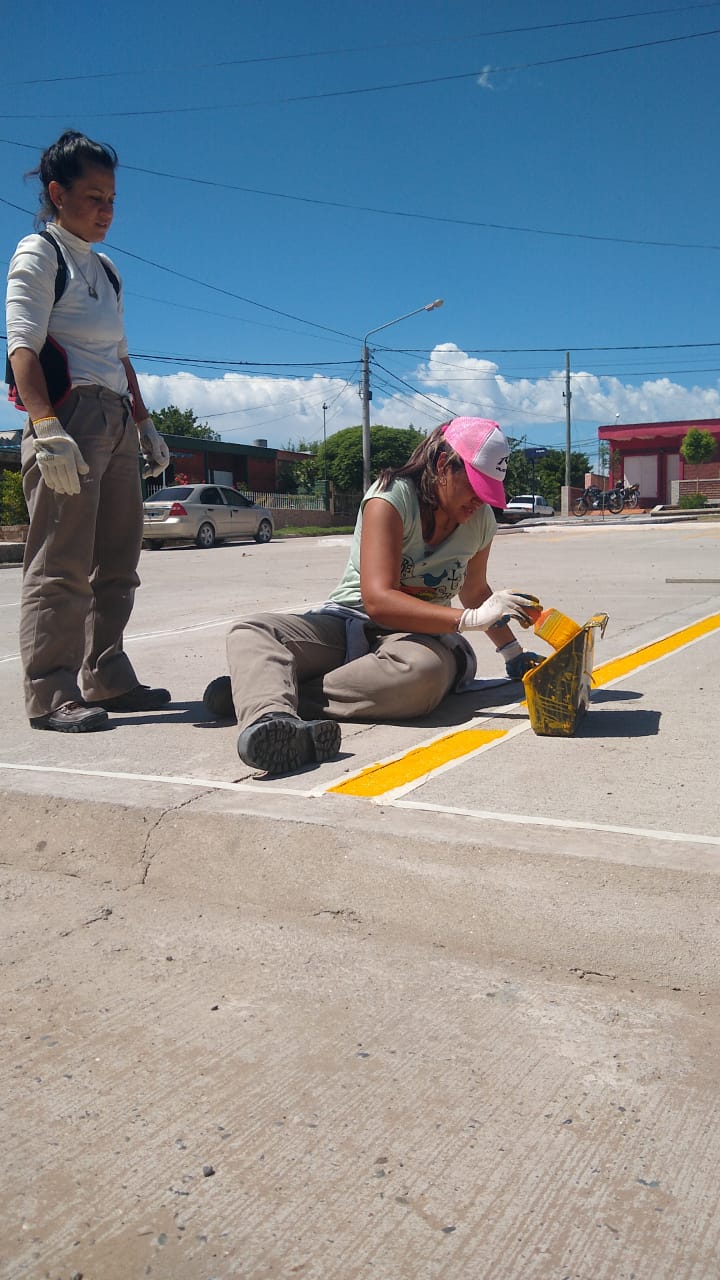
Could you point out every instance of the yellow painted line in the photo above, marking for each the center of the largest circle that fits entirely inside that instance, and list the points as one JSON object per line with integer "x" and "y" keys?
{"x": 382, "y": 777}
{"x": 616, "y": 668}
{"x": 398, "y": 775}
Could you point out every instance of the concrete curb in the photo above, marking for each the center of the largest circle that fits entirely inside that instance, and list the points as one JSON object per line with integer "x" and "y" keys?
{"x": 465, "y": 889}
{"x": 12, "y": 552}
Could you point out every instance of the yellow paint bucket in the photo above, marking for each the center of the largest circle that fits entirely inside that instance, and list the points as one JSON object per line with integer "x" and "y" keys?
{"x": 558, "y": 689}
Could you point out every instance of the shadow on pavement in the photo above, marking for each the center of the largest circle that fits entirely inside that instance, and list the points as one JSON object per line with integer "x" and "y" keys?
{"x": 619, "y": 724}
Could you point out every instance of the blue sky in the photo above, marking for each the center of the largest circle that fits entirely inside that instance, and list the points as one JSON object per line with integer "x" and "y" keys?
{"x": 557, "y": 188}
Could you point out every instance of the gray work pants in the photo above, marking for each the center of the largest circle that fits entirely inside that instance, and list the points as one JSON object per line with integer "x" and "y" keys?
{"x": 296, "y": 663}
{"x": 79, "y": 571}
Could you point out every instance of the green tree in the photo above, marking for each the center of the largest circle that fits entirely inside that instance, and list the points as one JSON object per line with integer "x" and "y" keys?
{"x": 12, "y": 500}
{"x": 698, "y": 446}
{"x": 182, "y": 422}
{"x": 301, "y": 476}
{"x": 389, "y": 447}
{"x": 549, "y": 472}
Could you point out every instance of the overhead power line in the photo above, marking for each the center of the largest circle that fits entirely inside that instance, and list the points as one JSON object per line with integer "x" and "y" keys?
{"x": 396, "y": 213}
{"x": 369, "y": 48}
{"x": 420, "y": 217}
{"x": 501, "y": 351}
{"x": 260, "y": 365}
{"x": 368, "y": 89}
{"x": 159, "y": 266}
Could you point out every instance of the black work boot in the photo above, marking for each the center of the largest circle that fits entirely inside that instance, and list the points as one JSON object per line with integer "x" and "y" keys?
{"x": 140, "y": 698}
{"x": 218, "y": 699}
{"x": 280, "y": 742}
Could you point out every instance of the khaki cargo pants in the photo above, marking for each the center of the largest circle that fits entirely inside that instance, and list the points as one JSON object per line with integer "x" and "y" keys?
{"x": 80, "y": 566}
{"x": 296, "y": 663}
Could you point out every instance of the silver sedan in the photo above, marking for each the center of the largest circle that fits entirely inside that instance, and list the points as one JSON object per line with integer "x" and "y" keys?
{"x": 204, "y": 514}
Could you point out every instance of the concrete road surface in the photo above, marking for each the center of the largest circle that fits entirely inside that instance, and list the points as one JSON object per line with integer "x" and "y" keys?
{"x": 445, "y": 1007}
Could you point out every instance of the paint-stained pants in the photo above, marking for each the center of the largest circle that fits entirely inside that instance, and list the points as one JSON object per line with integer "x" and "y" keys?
{"x": 80, "y": 566}
{"x": 296, "y": 663}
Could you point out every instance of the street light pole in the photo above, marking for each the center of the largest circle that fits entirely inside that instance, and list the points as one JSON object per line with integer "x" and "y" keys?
{"x": 366, "y": 393}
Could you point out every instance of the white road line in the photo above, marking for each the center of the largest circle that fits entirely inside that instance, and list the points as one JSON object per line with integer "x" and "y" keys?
{"x": 170, "y": 779}
{"x": 484, "y": 815}
{"x": 562, "y": 824}
{"x": 178, "y": 631}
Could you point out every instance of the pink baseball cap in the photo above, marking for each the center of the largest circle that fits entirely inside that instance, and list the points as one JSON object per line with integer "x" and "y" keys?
{"x": 485, "y": 451}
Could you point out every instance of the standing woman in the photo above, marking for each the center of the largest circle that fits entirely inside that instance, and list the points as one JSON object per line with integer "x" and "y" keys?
{"x": 81, "y": 478}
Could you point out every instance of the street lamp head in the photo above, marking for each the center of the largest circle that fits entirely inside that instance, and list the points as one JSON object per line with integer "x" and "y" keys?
{"x": 433, "y": 306}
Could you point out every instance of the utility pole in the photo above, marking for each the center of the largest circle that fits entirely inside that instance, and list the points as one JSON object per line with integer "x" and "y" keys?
{"x": 365, "y": 398}
{"x": 567, "y": 396}
{"x": 366, "y": 393}
{"x": 326, "y": 494}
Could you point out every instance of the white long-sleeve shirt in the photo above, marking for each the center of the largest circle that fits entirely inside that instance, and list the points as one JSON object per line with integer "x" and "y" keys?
{"x": 91, "y": 330}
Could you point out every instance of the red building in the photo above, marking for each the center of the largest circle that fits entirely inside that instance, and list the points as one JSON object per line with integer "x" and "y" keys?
{"x": 242, "y": 466}
{"x": 648, "y": 454}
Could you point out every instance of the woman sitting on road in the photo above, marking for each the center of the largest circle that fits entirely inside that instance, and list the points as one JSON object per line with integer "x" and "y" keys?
{"x": 388, "y": 644}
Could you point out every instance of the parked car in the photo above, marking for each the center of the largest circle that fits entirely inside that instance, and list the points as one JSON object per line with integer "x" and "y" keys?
{"x": 203, "y": 514}
{"x": 528, "y": 504}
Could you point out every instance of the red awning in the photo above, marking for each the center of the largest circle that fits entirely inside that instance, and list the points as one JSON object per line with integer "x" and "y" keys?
{"x": 649, "y": 433}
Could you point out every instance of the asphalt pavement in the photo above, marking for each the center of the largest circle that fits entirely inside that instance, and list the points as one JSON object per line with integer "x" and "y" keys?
{"x": 445, "y": 1006}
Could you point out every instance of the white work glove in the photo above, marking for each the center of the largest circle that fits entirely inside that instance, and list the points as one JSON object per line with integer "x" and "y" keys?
{"x": 518, "y": 661}
{"x": 153, "y": 449}
{"x": 499, "y": 608}
{"x": 58, "y": 457}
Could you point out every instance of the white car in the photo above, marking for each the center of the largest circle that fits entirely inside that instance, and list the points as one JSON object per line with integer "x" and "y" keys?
{"x": 528, "y": 504}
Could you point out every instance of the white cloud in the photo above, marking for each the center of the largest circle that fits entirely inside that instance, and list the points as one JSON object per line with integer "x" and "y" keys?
{"x": 244, "y": 407}
{"x": 474, "y": 385}
{"x": 484, "y": 78}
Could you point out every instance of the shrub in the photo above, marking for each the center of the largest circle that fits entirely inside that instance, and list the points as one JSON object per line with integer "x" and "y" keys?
{"x": 12, "y": 500}
{"x": 698, "y": 446}
{"x": 689, "y": 501}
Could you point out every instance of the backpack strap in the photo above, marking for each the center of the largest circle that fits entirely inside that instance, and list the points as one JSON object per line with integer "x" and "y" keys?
{"x": 52, "y": 357}
{"x": 50, "y": 349}
{"x": 110, "y": 274}
{"x": 61, "y": 276}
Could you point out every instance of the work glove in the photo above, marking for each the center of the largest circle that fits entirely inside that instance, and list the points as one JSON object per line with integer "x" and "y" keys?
{"x": 153, "y": 449}
{"x": 499, "y": 608}
{"x": 58, "y": 457}
{"x": 518, "y": 661}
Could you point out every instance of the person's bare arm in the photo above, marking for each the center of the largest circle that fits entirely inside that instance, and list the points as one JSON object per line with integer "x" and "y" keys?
{"x": 30, "y": 382}
{"x": 140, "y": 412}
{"x": 475, "y": 591}
{"x": 380, "y": 557}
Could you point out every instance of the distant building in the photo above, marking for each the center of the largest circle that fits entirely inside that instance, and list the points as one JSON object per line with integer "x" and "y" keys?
{"x": 244, "y": 466}
{"x": 648, "y": 454}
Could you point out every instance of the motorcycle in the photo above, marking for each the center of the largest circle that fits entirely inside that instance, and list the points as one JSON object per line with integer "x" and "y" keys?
{"x": 595, "y": 499}
{"x": 630, "y": 492}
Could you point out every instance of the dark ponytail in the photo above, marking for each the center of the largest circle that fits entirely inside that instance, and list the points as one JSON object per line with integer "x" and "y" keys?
{"x": 65, "y": 161}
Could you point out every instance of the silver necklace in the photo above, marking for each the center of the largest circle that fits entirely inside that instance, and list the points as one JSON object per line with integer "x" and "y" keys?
{"x": 90, "y": 287}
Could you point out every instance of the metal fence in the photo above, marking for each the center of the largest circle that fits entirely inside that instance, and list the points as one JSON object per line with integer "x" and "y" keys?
{"x": 287, "y": 501}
